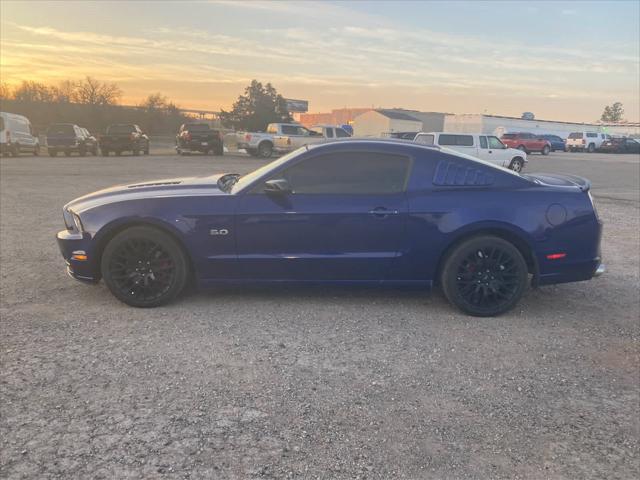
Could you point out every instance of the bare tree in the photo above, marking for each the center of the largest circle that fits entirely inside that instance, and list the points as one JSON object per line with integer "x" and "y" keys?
{"x": 65, "y": 92}
{"x": 155, "y": 101}
{"x": 32, "y": 92}
{"x": 94, "y": 92}
{"x": 5, "y": 91}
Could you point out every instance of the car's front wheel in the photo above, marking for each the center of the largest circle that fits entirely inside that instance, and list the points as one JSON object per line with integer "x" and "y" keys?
{"x": 484, "y": 276}
{"x": 517, "y": 164}
{"x": 545, "y": 150}
{"x": 144, "y": 267}
{"x": 591, "y": 148}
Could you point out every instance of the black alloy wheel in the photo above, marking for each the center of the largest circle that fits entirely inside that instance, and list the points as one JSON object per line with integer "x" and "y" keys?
{"x": 484, "y": 276}
{"x": 144, "y": 267}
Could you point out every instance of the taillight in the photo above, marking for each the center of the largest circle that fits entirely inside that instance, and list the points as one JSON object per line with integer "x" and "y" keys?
{"x": 584, "y": 141}
{"x": 556, "y": 256}
{"x": 247, "y": 137}
{"x": 187, "y": 137}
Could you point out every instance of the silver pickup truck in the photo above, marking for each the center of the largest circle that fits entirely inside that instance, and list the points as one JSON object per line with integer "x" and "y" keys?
{"x": 305, "y": 136}
{"x": 260, "y": 144}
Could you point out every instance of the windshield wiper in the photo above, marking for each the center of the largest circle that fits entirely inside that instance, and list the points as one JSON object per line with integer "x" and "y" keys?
{"x": 228, "y": 180}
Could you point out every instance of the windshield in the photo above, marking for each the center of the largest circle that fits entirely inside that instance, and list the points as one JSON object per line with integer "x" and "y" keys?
{"x": 249, "y": 178}
{"x": 575, "y": 135}
{"x": 60, "y": 130}
{"x": 116, "y": 129}
{"x": 509, "y": 135}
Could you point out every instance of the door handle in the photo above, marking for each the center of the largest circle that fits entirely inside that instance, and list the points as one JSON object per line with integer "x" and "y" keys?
{"x": 382, "y": 212}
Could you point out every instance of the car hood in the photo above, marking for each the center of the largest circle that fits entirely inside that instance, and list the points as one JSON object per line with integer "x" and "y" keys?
{"x": 515, "y": 151}
{"x": 169, "y": 187}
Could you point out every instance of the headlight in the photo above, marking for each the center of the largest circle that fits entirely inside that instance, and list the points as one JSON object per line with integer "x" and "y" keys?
{"x": 72, "y": 221}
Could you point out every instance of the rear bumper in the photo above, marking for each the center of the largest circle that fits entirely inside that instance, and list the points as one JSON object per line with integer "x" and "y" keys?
{"x": 71, "y": 243}
{"x": 573, "y": 272}
{"x": 200, "y": 146}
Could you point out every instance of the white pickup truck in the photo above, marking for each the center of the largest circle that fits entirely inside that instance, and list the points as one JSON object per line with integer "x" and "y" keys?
{"x": 260, "y": 144}
{"x": 485, "y": 147}
{"x": 305, "y": 136}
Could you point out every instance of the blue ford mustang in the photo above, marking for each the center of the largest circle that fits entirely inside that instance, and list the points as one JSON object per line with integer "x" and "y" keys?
{"x": 358, "y": 211}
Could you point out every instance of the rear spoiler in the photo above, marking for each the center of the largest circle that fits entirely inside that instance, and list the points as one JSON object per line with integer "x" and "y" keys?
{"x": 560, "y": 180}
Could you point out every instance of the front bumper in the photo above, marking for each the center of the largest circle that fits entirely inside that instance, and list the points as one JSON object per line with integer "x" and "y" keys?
{"x": 70, "y": 244}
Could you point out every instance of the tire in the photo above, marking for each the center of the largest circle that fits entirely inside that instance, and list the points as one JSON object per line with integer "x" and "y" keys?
{"x": 118, "y": 153}
{"x": 517, "y": 164}
{"x": 67, "y": 153}
{"x": 480, "y": 291}
{"x": 82, "y": 151}
{"x": 135, "y": 152}
{"x": 36, "y": 150}
{"x": 104, "y": 153}
{"x": 265, "y": 150}
{"x": 522, "y": 148}
{"x": 218, "y": 151}
{"x": 545, "y": 150}
{"x": 53, "y": 153}
{"x": 15, "y": 151}
{"x": 146, "y": 150}
{"x": 94, "y": 151}
{"x": 129, "y": 261}
{"x": 591, "y": 148}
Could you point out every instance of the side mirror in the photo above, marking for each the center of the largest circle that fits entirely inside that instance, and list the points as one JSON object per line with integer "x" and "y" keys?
{"x": 277, "y": 186}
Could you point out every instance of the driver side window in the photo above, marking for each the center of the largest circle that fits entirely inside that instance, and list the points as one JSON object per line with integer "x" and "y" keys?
{"x": 494, "y": 142}
{"x": 347, "y": 173}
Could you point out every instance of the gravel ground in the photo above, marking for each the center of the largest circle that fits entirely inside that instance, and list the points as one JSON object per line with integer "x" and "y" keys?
{"x": 310, "y": 382}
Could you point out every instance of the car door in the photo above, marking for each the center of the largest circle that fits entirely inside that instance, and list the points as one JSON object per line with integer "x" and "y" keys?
{"x": 343, "y": 219}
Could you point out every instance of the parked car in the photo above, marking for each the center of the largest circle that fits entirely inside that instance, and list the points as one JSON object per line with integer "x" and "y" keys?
{"x": 17, "y": 135}
{"x": 124, "y": 137}
{"x": 556, "y": 142}
{"x": 484, "y": 147}
{"x": 355, "y": 211}
{"x": 527, "y": 142}
{"x": 199, "y": 137}
{"x": 69, "y": 138}
{"x": 585, "y": 141}
{"x": 260, "y": 144}
{"x": 306, "y": 136}
{"x": 90, "y": 141}
{"x": 620, "y": 145}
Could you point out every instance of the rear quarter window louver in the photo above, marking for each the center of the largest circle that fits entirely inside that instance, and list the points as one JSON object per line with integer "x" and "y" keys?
{"x": 455, "y": 174}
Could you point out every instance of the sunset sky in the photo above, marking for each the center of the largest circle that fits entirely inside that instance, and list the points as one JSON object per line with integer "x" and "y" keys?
{"x": 560, "y": 60}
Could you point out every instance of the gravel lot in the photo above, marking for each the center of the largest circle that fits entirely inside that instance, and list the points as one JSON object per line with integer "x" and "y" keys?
{"x": 310, "y": 382}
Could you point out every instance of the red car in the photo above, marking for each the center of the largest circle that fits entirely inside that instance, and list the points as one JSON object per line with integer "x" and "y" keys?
{"x": 527, "y": 142}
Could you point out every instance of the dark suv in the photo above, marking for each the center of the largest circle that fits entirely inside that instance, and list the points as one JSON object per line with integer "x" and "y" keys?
{"x": 69, "y": 138}
{"x": 199, "y": 137}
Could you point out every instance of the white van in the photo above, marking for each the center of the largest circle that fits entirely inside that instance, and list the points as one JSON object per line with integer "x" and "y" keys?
{"x": 589, "y": 141}
{"x": 485, "y": 147}
{"x": 17, "y": 135}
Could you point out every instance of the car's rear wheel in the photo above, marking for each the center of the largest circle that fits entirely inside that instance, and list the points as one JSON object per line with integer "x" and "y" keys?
{"x": 522, "y": 148}
{"x": 545, "y": 150}
{"x": 218, "y": 151}
{"x": 591, "y": 148}
{"x": 517, "y": 164}
{"x": 265, "y": 149}
{"x": 53, "y": 153}
{"x": 67, "y": 153}
{"x": 484, "y": 276}
{"x": 36, "y": 150}
{"x": 144, "y": 267}
{"x": 104, "y": 152}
